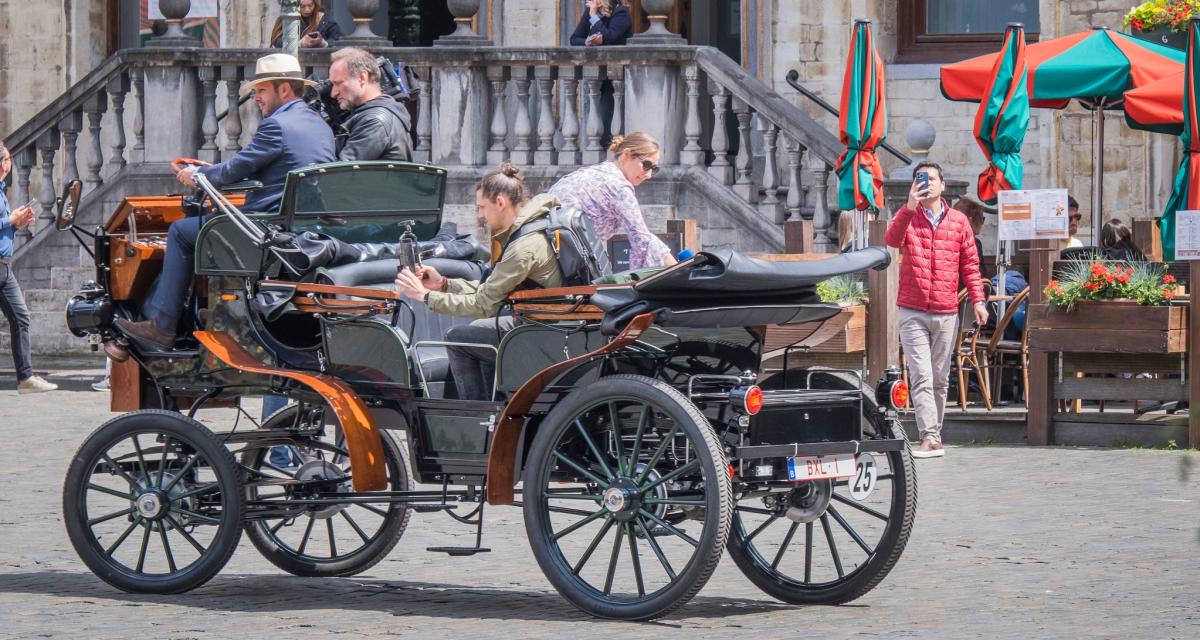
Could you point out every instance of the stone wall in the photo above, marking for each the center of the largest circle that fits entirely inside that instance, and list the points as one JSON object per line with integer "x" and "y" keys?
{"x": 812, "y": 36}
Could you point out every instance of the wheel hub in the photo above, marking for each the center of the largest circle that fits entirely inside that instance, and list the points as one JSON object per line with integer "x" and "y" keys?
{"x": 623, "y": 499}
{"x": 152, "y": 504}
{"x": 324, "y": 470}
{"x": 806, "y": 503}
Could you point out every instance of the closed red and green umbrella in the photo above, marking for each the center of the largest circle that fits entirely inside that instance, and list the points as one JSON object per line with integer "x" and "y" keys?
{"x": 1095, "y": 67}
{"x": 863, "y": 124}
{"x": 1186, "y": 194}
{"x": 1157, "y": 106}
{"x": 1003, "y": 117}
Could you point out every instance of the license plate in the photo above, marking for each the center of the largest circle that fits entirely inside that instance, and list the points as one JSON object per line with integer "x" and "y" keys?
{"x": 820, "y": 467}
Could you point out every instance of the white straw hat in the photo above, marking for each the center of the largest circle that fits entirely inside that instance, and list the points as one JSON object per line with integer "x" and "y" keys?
{"x": 276, "y": 67}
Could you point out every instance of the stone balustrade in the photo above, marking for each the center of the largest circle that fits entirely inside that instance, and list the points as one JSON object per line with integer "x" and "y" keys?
{"x": 479, "y": 105}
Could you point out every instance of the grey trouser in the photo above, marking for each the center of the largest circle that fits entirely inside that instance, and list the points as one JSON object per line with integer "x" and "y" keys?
{"x": 474, "y": 368}
{"x": 928, "y": 340}
{"x": 12, "y": 304}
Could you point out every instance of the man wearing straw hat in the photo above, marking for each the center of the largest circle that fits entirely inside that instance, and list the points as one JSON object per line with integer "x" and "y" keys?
{"x": 290, "y": 136}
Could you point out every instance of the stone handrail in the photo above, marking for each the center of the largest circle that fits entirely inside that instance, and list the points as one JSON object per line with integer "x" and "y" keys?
{"x": 538, "y": 107}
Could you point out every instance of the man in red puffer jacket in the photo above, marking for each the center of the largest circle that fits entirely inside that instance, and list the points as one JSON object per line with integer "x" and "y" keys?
{"x": 937, "y": 247}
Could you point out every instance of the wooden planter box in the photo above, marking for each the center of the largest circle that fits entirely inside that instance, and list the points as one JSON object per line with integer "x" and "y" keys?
{"x": 1108, "y": 327}
{"x": 851, "y": 339}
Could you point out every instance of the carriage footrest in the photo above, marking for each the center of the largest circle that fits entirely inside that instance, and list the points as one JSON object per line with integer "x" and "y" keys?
{"x": 458, "y": 551}
{"x": 431, "y": 508}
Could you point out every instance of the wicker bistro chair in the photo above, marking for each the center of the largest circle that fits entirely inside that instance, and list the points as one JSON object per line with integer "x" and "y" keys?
{"x": 1000, "y": 354}
{"x": 966, "y": 354}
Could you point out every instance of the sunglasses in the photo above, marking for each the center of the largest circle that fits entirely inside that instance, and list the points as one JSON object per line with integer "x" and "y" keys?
{"x": 649, "y": 166}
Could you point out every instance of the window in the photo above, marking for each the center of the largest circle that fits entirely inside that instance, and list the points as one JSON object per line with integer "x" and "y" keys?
{"x": 951, "y": 30}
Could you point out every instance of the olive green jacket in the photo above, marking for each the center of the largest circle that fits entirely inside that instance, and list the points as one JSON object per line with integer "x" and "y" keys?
{"x": 528, "y": 258}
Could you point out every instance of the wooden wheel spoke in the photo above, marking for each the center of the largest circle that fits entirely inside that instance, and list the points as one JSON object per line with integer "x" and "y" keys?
{"x": 637, "y": 563}
{"x": 784, "y": 545}
{"x": 687, "y": 468}
{"x": 197, "y": 491}
{"x": 591, "y": 445}
{"x": 132, "y": 525}
{"x": 563, "y": 458}
{"x": 357, "y": 529}
{"x": 761, "y": 527}
{"x": 186, "y": 536}
{"x": 116, "y": 514}
{"x": 861, "y": 507}
{"x": 195, "y": 516}
{"x": 578, "y": 525}
{"x": 850, "y": 530}
{"x": 612, "y": 560}
{"x": 137, "y": 448}
{"x": 587, "y": 554}
{"x": 307, "y": 532}
{"x": 112, "y": 492}
{"x": 162, "y": 464}
{"x": 669, "y": 527}
{"x": 837, "y": 559}
{"x": 121, "y": 472}
{"x": 658, "y": 552}
{"x": 808, "y": 548}
{"x": 662, "y": 448}
{"x": 643, "y": 418}
{"x": 145, "y": 543}
{"x": 614, "y": 418}
{"x": 182, "y": 472}
{"x": 762, "y": 512}
{"x": 332, "y": 542}
{"x": 162, "y": 534}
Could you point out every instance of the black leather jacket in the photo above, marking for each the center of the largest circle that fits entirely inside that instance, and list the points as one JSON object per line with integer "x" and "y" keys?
{"x": 378, "y": 129}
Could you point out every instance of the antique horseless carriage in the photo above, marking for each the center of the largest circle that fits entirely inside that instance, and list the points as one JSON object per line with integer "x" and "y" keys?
{"x": 646, "y": 437}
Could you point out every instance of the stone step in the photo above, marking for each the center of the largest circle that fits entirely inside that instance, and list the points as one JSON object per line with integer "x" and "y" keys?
{"x": 70, "y": 278}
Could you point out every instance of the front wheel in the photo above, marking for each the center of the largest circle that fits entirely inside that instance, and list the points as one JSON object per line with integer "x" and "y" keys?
{"x": 153, "y": 503}
{"x": 627, "y": 498}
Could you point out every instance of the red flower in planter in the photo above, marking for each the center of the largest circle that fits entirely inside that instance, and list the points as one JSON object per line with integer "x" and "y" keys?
{"x": 1168, "y": 279}
{"x": 1169, "y": 294}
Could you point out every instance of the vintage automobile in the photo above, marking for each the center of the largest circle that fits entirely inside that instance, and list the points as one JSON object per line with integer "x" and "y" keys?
{"x": 644, "y": 437}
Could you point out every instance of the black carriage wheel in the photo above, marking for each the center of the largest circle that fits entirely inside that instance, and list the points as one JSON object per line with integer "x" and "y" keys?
{"x": 627, "y": 522}
{"x": 338, "y": 540}
{"x": 711, "y": 357}
{"x": 153, "y": 503}
{"x": 817, "y": 543}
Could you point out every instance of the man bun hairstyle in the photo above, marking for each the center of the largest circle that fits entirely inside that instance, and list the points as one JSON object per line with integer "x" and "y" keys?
{"x": 358, "y": 61}
{"x": 505, "y": 179}
{"x": 637, "y": 143}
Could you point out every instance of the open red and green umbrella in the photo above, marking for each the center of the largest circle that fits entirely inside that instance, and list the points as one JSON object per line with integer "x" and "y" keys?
{"x": 863, "y": 124}
{"x": 1095, "y": 67}
{"x": 1003, "y": 117}
{"x": 1186, "y": 194}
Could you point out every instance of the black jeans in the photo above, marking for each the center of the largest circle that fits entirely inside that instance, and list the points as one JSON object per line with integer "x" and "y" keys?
{"x": 12, "y": 303}
{"x": 474, "y": 368}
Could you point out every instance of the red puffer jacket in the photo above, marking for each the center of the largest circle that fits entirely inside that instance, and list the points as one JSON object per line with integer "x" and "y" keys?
{"x": 933, "y": 259}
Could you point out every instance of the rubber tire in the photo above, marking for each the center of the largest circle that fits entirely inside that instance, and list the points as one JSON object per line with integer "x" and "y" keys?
{"x": 368, "y": 555}
{"x": 892, "y": 543}
{"x": 718, "y": 512}
{"x": 195, "y": 435}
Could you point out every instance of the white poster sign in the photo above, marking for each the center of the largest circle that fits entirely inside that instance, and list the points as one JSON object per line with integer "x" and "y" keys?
{"x": 1187, "y": 235}
{"x": 200, "y": 9}
{"x": 1033, "y": 214}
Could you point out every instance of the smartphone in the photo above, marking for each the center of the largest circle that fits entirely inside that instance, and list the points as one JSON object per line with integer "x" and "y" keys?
{"x": 923, "y": 179}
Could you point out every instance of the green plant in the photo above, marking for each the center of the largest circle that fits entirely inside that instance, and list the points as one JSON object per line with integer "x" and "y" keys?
{"x": 844, "y": 290}
{"x": 1162, "y": 13}
{"x": 1142, "y": 282}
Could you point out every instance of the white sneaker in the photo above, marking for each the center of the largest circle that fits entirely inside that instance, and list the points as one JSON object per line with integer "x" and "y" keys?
{"x": 35, "y": 384}
{"x": 100, "y": 386}
{"x": 928, "y": 449}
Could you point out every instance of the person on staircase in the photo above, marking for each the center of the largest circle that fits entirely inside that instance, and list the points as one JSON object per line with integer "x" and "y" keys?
{"x": 604, "y": 23}
{"x": 523, "y": 261}
{"x": 290, "y": 136}
{"x": 317, "y": 28}
{"x": 12, "y": 301}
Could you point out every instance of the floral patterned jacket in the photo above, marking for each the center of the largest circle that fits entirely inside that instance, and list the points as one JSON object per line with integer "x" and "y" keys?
{"x": 606, "y": 196}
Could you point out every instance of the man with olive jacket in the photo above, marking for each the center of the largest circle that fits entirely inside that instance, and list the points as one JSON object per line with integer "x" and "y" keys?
{"x": 937, "y": 248}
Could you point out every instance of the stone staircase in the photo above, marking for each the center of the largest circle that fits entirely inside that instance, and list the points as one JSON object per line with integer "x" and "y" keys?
{"x": 737, "y": 157}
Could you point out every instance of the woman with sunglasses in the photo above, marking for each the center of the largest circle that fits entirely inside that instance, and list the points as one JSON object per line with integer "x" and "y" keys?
{"x": 605, "y": 193}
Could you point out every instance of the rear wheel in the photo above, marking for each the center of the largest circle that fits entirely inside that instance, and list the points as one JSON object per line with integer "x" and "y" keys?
{"x": 627, "y": 498}
{"x": 153, "y": 503}
{"x": 327, "y": 540}
{"x": 828, "y": 542}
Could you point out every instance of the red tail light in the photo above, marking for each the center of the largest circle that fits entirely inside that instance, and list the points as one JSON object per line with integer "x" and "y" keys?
{"x": 748, "y": 400}
{"x": 899, "y": 395}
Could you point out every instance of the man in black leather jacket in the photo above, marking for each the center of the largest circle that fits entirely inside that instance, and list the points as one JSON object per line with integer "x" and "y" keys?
{"x": 378, "y": 127}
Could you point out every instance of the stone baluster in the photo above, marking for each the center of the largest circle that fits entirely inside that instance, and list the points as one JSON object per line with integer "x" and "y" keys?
{"x": 545, "y": 155}
{"x": 522, "y": 154}
{"x": 821, "y": 220}
{"x": 24, "y": 161}
{"x": 70, "y": 126}
{"x": 769, "y": 206}
{"x": 138, "y": 152}
{"x": 118, "y": 88}
{"x": 593, "y": 128}
{"x": 796, "y": 190}
{"x": 720, "y": 168}
{"x": 692, "y": 154}
{"x": 208, "y": 122}
{"x": 424, "y": 124}
{"x": 233, "y": 113}
{"x": 94, "y": 107}
{"x": 616, "y": 74}
{"x": 47, "y": 145}
{"x": 743, "y": 186}
{"x": 569, "y": 95}
{"x": 497, "y": 151}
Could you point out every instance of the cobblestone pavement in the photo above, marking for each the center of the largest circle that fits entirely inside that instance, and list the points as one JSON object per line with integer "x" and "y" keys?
{"x": 1009, "y": 543}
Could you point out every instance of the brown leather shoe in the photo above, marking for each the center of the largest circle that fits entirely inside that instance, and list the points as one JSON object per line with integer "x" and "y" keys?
{"x": 147, "y": 330}
{"x": 115, "y": 351}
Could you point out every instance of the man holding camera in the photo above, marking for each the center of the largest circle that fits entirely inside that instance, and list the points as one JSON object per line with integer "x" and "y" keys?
{"x": 937, "y": 248}
{"x": 377, "y": 127}
{"x": 290, "y": 136}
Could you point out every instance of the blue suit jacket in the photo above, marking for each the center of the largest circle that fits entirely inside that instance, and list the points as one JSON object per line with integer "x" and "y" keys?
{"x": 292, "y": 137}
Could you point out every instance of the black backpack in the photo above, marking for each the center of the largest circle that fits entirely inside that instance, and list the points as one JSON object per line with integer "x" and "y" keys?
{"x": 581, "y": 255}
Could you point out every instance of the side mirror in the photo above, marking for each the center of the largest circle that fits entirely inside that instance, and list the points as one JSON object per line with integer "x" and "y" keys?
{"x": 68, "y": 204}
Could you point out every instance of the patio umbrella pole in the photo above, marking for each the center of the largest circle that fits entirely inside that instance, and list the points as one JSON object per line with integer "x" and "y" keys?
{"x": 1097, "y": 171}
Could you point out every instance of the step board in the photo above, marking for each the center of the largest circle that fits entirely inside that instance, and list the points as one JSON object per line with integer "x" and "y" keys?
{"x": 459, "y": 551}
